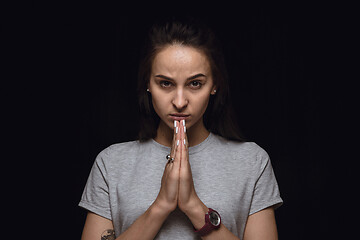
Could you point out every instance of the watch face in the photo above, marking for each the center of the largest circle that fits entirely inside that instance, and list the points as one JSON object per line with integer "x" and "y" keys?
{"x": 214, "y": 219}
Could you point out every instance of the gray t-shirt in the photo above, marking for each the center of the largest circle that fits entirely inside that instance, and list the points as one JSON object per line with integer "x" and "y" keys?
{"x": 236, "y": 179}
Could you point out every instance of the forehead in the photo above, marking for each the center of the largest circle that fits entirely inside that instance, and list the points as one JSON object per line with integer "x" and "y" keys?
{"x": 179, "y": 60}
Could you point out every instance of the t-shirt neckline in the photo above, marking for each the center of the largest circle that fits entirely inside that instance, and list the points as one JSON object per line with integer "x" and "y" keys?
{"x": 194, "y": 149}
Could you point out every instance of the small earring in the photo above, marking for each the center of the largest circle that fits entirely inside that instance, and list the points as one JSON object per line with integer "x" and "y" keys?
{"x": 147, "y": 90}
{"x": 214, "y": 91}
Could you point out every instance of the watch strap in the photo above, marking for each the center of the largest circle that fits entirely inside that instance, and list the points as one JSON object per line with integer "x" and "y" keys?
{"x": 208, "y": 227}
{"x": 205, "y": 230}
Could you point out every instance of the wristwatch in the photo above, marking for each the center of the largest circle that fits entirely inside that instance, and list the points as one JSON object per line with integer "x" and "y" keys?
{"x": 212, "y": 222}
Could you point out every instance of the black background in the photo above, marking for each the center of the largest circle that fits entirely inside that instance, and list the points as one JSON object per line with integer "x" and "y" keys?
{"x": 72, "y": 74}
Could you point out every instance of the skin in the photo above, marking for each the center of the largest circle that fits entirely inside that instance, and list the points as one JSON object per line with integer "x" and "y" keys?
{"x": 175, "y": 90}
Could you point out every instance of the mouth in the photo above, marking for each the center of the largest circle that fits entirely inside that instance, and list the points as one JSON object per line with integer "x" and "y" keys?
{"x": 179, "y": 117}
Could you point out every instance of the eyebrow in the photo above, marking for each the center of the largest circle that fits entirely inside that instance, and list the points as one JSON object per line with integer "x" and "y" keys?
{"x": 189, "y": 78}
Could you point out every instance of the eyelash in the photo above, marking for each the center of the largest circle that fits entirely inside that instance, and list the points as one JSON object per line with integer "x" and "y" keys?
{"x": 168, "y": 84}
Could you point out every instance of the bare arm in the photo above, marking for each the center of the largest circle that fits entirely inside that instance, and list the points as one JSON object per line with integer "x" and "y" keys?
{"x": 261, "y": 225}
{"x": 96, "y": 226}
{"x": 145, "y": 227}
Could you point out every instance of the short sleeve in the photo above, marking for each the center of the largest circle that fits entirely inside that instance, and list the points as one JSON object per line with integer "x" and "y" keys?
{"x": 266, "y": 192}
{"x": 95, "y": 197}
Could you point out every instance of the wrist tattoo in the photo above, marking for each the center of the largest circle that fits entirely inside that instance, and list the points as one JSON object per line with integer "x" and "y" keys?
{"x": 108, "y": 235}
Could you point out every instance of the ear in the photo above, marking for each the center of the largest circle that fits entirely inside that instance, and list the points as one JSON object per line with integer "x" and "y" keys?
{"x": 213, "y": 90}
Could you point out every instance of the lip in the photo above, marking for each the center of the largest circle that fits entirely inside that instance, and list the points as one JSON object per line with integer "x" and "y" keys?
{"x": 179, "y": 117}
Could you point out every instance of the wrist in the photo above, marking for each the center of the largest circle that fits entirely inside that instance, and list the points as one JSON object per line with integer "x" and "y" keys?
{"x": 212, "y": 222}
{"x": 161, "y": 208}
{"x": 196, "y": 213}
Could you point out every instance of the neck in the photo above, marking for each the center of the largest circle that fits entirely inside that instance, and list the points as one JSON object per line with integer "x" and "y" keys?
{"x": 196, "y": 134}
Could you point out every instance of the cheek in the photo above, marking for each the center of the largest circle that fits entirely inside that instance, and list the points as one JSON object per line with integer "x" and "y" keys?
{"x": 159, "y": 104}
{"x": 200, "y": 104}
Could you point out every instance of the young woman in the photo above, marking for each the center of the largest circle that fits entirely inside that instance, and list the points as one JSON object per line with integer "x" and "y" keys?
{"x": 190, "y": 175}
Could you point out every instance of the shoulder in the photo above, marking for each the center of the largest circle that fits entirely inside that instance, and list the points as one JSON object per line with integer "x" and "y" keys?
{"x": 250, "y": 148}
{"x": 120, "y": 151}
{"x": 120, "y": 148}
{"x": 248, "y": 152}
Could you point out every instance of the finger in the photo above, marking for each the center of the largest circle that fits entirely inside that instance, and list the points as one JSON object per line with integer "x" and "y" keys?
{"x": 184, "y": 143}
{"x": 177, "y": 142}
{"x": 175, "y": 132}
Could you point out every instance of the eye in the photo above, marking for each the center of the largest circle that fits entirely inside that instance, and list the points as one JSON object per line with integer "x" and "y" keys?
{"x": 165, "y": 84}
{"x": 195, "y": 84}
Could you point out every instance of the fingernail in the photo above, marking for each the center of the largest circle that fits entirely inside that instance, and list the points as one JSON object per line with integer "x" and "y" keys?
{"x": 183, "y": 122}
{"x": 175, "y": 123}
{"x": 184, "y": 142}
{"x": 177, "y": 143}
{"x": 184, "y": 129}
{"x": 176, "y": 130}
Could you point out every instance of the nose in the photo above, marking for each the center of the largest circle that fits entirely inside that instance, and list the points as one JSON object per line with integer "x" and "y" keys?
{"x": 180, "y": 101}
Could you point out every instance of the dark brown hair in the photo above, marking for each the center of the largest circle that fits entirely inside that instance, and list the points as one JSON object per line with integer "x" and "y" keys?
{"x": 218, "y": 117}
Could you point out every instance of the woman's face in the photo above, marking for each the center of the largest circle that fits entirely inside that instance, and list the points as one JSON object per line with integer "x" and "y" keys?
{"x": 181, "y": 84}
